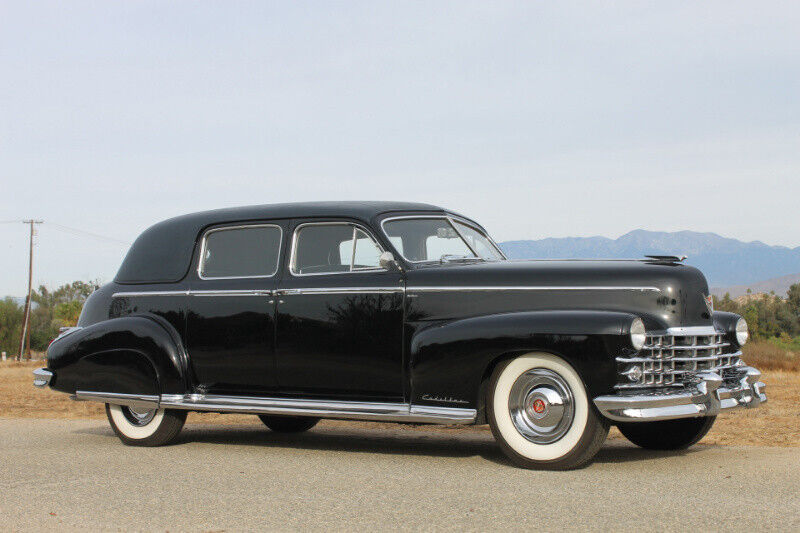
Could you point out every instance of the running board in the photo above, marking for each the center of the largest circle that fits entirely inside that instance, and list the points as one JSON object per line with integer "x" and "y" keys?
{"x": 383, "y": 412}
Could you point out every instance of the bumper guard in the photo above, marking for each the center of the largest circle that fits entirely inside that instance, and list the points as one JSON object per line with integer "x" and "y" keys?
{"x": 42, "y": 377}
{"x": 707, "y": 396}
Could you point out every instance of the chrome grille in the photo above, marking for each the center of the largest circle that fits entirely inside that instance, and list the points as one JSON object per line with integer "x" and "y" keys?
{"x": 669, "y": 360}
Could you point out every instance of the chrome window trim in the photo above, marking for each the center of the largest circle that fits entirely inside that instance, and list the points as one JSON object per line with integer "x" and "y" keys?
{"x": 355, "y": 226}
{"x": 497, "y": 249}
{"x": 204, "y": 239}
{"x": 450, "y": 219}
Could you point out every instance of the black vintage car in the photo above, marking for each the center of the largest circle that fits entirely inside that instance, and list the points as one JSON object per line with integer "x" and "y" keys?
{"x": 400, "y": 312}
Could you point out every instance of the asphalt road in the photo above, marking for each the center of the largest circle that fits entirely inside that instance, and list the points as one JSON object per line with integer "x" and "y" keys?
{"x": 76, "y": 474}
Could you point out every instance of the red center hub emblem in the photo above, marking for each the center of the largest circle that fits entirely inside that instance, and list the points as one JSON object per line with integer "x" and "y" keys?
{"x": 538, "y": 406}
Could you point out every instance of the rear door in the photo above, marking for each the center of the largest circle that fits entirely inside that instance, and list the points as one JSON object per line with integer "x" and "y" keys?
{"x": 231, "y": 319}
{"x": 340, "y": 316}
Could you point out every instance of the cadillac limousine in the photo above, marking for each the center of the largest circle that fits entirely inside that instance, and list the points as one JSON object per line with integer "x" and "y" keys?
{"x": 400, "y": 312}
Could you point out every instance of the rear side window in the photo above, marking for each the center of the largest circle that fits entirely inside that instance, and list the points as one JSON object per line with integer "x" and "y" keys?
{"x": 241, "y": 252}
{"x": 328, "y": 248}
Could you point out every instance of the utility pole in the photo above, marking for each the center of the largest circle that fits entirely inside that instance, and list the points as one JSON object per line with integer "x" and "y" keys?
{"x": 27, "y": 314}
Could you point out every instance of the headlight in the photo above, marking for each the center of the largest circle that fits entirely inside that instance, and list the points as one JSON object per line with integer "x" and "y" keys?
{"x": 741, "y": 331}
{"x": 638, "y": 334}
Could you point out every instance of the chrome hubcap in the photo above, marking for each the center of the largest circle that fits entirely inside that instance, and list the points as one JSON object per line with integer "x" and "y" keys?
{"x": 541, "y": 406}
{"x": 139, "y": 417}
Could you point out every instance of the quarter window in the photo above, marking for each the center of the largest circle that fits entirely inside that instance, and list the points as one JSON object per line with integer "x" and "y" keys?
{"x": 478, "y": 242}
{"x": 333, "y": 248}
{"x": 241, "y": 252}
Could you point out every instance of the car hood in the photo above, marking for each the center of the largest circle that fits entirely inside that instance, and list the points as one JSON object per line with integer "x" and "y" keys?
{"x": 664, "y": 294}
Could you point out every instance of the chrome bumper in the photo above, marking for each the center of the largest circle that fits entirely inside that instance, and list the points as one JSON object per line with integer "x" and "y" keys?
{"x": 42, "y": 377}
{"x": 707, "y": 396}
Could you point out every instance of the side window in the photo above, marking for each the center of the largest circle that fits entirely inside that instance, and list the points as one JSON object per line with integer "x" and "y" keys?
{"x": 331, "y": 248}
{"x": 240, "y": 252}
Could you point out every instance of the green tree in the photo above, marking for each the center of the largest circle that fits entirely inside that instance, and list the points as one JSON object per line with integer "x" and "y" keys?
{"x": 50, "y": 310}
{"x": 10, "y": 325}
{"x": 793, "y": 298}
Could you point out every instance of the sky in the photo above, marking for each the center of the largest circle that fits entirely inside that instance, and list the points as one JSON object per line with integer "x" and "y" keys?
{"x": 538, "y": 119}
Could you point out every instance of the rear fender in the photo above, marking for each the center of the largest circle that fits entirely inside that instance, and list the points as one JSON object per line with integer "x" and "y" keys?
{"x": 128, "y": 355}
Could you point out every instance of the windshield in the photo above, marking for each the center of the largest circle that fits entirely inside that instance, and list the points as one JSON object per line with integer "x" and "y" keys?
{"x": 439, "y": 239}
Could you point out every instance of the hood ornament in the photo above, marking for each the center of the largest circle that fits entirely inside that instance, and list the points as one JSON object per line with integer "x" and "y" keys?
{"x": 667, "y": 258}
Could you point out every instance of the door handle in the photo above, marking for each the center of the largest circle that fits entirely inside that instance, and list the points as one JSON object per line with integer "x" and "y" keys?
{"x": 284, "y": 292}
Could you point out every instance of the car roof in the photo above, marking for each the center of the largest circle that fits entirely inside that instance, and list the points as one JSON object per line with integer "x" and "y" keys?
{"x": 163, "y": 252}
{"x": 362, "y": 210}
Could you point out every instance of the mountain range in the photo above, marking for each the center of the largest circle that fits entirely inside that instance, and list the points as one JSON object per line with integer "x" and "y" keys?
{"x": 726, "y": 262}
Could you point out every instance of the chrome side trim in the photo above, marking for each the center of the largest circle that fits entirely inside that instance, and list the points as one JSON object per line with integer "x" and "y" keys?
{"x": 42, "y": 377}
{"x": 131, "y": 400}
{"x": 133, "y": 294}
{"x": 231, "y": 292}
{"x": 530, "y": 288}
{"x": 387, "y": 412}
{"x": 349, "y": 290}
{"x": 234, "y": 292}
{"x": 241, "y": 226}
{"x": 341, "y": 290}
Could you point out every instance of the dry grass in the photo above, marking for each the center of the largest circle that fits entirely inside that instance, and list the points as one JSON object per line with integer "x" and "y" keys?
{"x": 767, "y": 356}
{"x": 777, "y": 423}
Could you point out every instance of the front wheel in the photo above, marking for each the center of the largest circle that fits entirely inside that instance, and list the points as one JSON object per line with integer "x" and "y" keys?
{"x": 667, "y": 434}
{"x": 145, "y": 427}
{"x": 540, "y": 414}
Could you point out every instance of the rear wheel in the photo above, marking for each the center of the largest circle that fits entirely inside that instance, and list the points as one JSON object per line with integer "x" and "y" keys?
{"x": 145, "y": 427}
{"x": 667, "y": 434}
{"x": 540, "y": 414}
{"x": 289, "y": 424}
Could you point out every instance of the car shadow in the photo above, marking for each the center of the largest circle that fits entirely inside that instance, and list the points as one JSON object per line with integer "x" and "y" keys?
{"x": 434, "y": 443}
{"x": 615, "y": 452}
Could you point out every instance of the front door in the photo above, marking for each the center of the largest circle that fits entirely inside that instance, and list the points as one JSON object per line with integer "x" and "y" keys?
{"x": 340, "y": 316}
{"x": 231, "y": 321}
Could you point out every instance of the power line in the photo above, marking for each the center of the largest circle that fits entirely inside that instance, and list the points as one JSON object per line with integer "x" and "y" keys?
{"x": 77, "y": 231}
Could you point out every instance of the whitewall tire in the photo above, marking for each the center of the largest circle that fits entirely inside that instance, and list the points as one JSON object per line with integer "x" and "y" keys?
{"x": 540, "y": 414}
{"x": 145, "y": 427}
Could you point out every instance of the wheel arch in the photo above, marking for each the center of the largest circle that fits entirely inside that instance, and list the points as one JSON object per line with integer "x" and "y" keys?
{"x": 454, "y": 361}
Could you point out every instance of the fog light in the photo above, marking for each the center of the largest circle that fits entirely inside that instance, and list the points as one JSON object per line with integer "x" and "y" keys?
{"x": 634, "y": 373}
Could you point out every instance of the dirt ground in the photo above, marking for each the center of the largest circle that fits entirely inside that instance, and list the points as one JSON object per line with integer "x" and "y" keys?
{"x": 777, "y": 423}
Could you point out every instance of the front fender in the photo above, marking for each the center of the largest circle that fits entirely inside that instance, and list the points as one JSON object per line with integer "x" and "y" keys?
{"x": 450, "y": 361}
{"x": 128, "y": 355}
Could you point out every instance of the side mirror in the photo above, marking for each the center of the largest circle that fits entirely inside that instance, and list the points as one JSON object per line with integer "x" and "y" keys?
{"x": 387, "y": 262}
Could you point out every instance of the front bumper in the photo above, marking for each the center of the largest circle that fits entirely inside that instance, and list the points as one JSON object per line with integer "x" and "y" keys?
{"x": 707, "y": 395}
